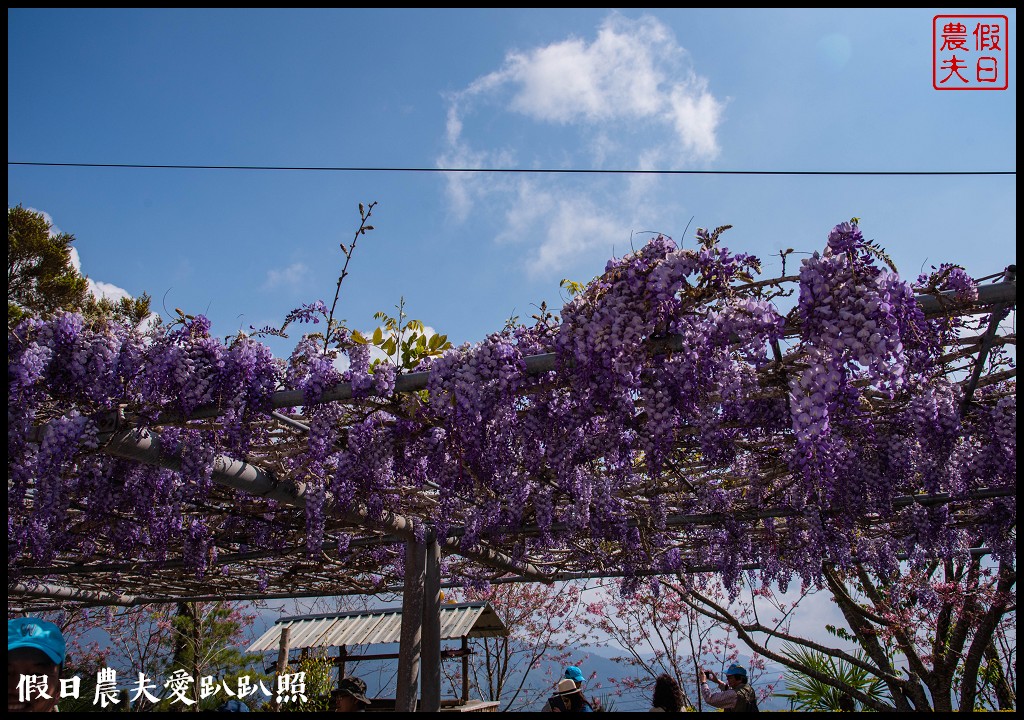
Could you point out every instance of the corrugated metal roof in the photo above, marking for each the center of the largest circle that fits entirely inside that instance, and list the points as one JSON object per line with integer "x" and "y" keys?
{"x": 377, "y": 627}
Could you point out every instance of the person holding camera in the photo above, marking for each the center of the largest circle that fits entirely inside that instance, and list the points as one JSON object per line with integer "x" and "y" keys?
{"x": 734, "y": 694}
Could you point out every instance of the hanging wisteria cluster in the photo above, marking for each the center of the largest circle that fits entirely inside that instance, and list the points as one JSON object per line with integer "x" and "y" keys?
{"x": 681, "y": 386}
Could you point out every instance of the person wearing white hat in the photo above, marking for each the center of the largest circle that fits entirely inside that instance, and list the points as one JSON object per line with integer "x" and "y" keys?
{"x": 568, "y": 697}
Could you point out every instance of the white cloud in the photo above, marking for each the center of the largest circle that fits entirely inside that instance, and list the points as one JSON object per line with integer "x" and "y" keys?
{"x": 619, "y": 75}
{"x": 695, "y": 114}
{"x": 54, "y": 230}
{"x": 107, "y": 290}
{"x": 531, "y": 205}
{"x": 115, "y": 294}
{"x": 634, "y": 70}
{"x": 341, "y": 363}
{"x": 562, "y": 226}
{"x": 465, "y": 188}
{"x": 295, "y": 276}
{"x": 76, "y": 261}
{"x": 628, "y": 99}
{"x": 96, "y": 288}
{"x": 577, "y": 227}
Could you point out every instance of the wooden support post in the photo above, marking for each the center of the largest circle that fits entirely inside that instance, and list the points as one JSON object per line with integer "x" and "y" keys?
{"x": 342, "y": 655}
{"x": 431, "y": 674}
{"x": 282, "y": 663}
{"x": 465, "y": 669}
{"x": 412, "y": 627}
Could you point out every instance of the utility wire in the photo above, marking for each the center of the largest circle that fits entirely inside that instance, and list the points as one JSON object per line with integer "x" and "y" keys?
{"x": 535, "y": 171}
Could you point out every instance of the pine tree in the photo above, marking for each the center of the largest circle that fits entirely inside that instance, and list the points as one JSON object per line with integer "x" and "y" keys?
{"x": 40, "y": 277}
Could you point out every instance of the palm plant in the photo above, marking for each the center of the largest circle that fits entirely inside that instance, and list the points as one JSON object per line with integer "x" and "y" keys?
{"x": 811, "y": 695}
{"x": 604, "y": 703}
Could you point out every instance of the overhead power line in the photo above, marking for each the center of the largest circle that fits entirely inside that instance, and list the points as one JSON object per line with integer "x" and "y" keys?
{"x": 524, "y": 171}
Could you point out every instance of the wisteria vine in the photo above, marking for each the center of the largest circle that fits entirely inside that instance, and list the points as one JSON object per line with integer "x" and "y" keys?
{"x": 681, "y": 385}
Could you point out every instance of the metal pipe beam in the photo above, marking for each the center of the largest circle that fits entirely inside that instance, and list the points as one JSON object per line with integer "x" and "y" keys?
{"x": 900, "y": 501}
{"x": 999, "y": 312}
{"x": 59, "y": 592}
{"x": 779, "y": 512}
{"x": 144, "y": 446}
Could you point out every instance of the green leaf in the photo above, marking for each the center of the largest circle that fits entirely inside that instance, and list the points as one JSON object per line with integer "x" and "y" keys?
{"x": 378, "y": 336}
{"x": 574, "y": 288}
{"x": 810, "y": 694}
{"x": 359, "y": 338}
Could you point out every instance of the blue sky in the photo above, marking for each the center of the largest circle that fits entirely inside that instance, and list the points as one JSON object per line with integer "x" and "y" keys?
{"x": 655, "y": 89}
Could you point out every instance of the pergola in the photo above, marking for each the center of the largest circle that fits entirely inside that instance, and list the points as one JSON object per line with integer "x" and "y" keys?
{"x": 363, "y": 544}
{"x": 458, "y": 621}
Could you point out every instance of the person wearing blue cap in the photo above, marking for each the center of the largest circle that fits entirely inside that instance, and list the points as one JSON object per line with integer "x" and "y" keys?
{"x": 575, "y": 674}
{"x": 569, "y": 694}
{"x": 735, "y": 695}
{"x": 35, "y": 657}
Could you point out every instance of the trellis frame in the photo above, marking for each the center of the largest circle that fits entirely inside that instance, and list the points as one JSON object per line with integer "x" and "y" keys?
{"x": 122, "y": 440}
{"x": 97, "y": 583}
